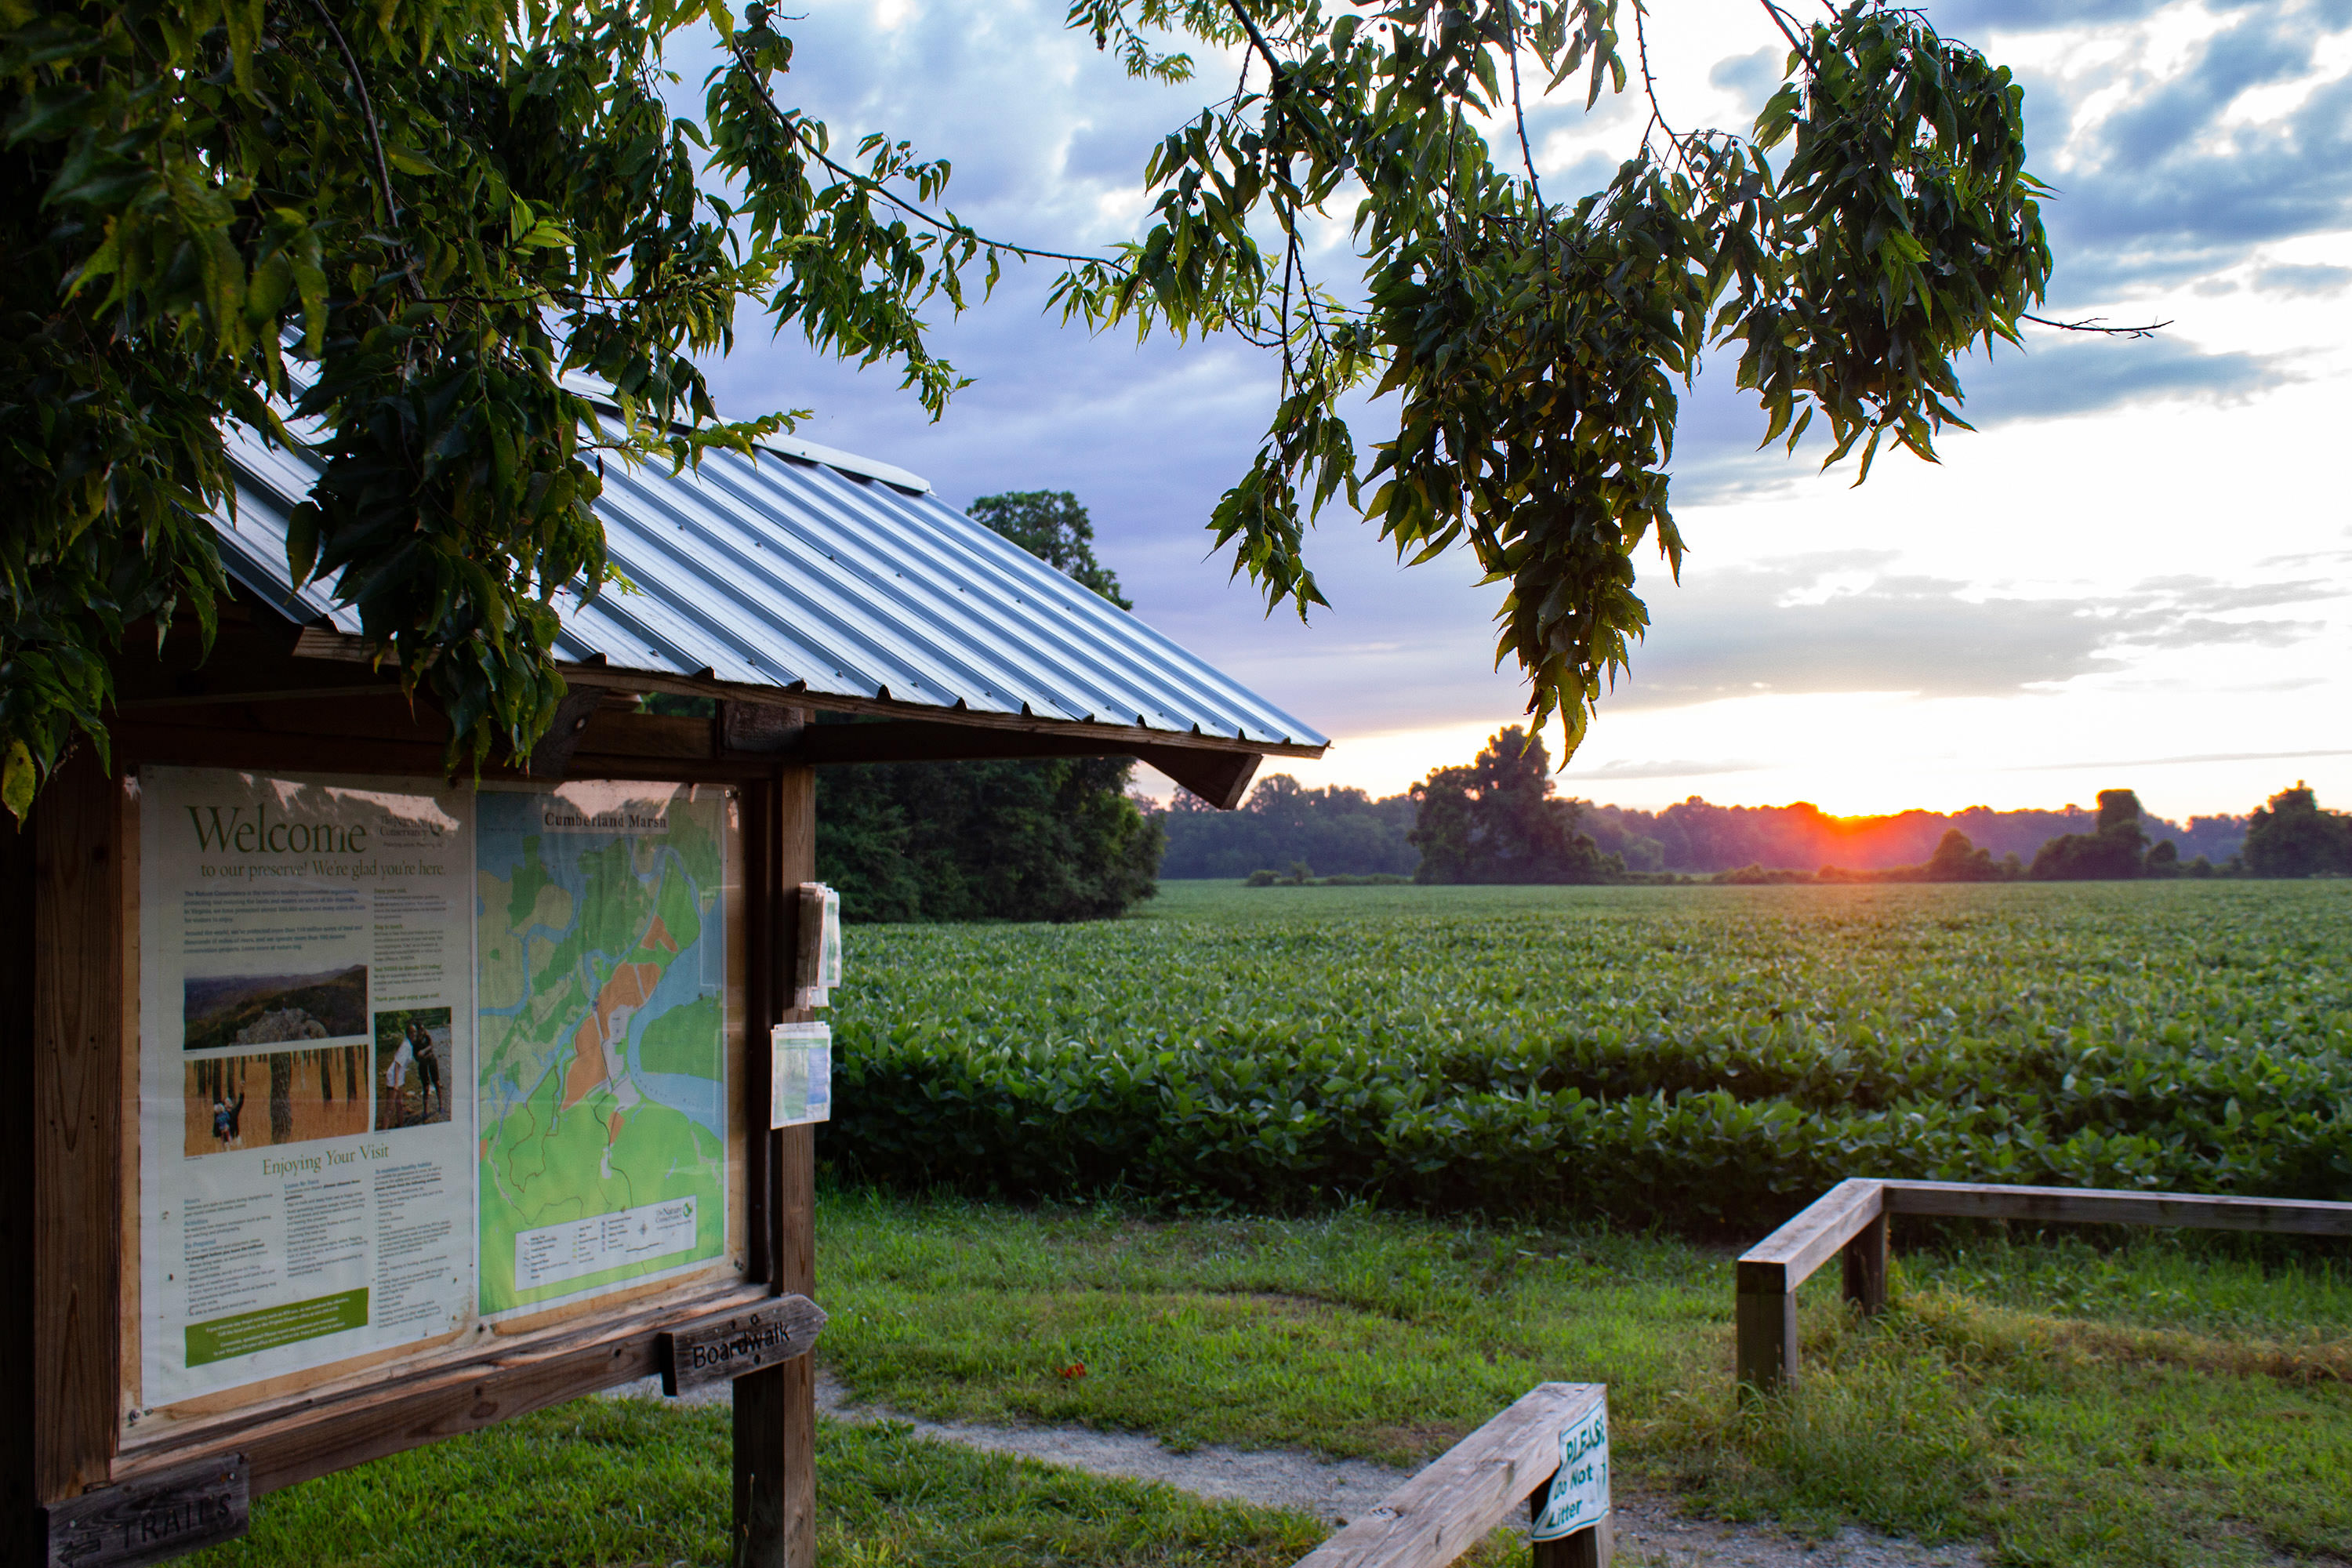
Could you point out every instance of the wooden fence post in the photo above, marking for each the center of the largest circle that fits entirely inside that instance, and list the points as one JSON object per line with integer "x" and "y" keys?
{"x": 1766, "y": 1319}
{"x": 1586, "y": 1549}
{"x": 1866, "y": 1267}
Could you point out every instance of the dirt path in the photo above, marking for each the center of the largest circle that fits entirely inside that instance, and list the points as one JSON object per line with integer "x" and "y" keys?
{"x": 1650, "y": 1533}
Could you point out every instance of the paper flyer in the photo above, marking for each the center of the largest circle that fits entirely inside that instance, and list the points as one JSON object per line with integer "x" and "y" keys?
{"x": 307, "y": 1021}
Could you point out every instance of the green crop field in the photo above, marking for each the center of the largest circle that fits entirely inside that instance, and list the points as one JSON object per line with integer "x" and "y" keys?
{"x": 1708, "y": 1057}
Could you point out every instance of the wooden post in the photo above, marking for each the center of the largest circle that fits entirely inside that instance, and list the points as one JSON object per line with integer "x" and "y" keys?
{"x": 775, "y": 1408}
{"x": 1586, "y": 1549}
{"x": 1866, "y": 1267}
{"x": 1766, "y": 1318}
{"x": 75, "y": 1200}
{"x": 20, "y": 1505}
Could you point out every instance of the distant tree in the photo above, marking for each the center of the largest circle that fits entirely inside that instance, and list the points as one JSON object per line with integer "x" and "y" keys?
{"x": 1957, "y": 860}
{"x": 1338, "y": 830}
{"x": 1496, "y": 821}
{"x": 1051, "y": 526}
{"x": 2115, "y": 849}
{"x": 1057, "y": 839}
{"x": 2292, "y": 836}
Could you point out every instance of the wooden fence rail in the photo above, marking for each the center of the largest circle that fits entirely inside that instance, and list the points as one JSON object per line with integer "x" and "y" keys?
{"x": 1451, "y": 1505}
{"x": 1851, "y": 1218}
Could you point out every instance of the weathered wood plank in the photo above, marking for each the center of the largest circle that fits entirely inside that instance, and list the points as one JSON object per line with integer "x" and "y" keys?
{"x": 1449, "y": 1507}
{"x": 608, "y": 733}
{"x": 1813, "y": 1236}
{"x": 2092, "y": 1206}
{"x": 769, "y": 1335}
{"x": 76, "y": 1090}
{"x": 152, "y": 1520}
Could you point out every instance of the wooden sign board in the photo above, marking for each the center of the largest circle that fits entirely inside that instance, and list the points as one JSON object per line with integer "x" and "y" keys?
{"x": 415, "y": 1105}
{"x": 721, "y": 1352}
{"x": 167, "y": 1513}
{"x": 421, "y": 1066}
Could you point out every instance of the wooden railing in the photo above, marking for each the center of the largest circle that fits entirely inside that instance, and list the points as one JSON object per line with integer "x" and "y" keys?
{"x": 1851, "y": 1218}
{"x": 1451, "y": 1505}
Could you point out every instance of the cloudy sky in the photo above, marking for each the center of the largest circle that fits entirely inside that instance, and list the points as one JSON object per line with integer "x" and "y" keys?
{"x": 2137, "y": 573}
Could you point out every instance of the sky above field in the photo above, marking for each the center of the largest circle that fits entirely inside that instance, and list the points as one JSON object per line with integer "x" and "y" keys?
{"x": 2137, "y": 573}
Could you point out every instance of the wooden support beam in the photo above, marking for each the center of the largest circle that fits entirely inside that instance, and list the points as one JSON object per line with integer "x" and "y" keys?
{"x": 1217, "y": 770}
{"x": 21, "y": 1536}
{"x": 76, "y": 1082}
{"x": 775, "y": 1408}
{"x": 1450, "y": 1507}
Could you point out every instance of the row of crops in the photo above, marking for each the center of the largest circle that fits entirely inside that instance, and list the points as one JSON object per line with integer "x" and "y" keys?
{"x": 1709, "y": 1055}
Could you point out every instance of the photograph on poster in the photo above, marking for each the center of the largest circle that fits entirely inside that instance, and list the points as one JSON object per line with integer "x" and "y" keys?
{"x": 272, "y": 1009}
{"x": 282, "y": 1097}
{"x": 412, "y": 1050}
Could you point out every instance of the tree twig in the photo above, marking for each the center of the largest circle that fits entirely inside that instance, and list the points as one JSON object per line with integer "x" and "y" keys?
{"x": 367, "y": 112}
{"x": 1273, "y": 63}
{"x": 1518, "y": 108}
{"x": 1780, "y": 20}
{"x": 2092, "y": 324}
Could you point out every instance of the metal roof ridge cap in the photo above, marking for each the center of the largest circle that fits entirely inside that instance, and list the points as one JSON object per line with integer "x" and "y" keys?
{"x": 784, "y": 446}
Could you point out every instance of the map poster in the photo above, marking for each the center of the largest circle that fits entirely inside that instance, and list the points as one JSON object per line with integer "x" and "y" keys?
{"x": 306, "y": 1021}
{"x": 602, "y": 1086}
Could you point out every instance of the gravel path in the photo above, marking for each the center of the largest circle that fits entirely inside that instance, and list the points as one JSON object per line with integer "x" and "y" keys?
{"x": 1650, "y": 1533}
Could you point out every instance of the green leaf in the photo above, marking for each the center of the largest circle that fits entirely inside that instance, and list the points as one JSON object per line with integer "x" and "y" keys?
{"x": 17, "y": 779}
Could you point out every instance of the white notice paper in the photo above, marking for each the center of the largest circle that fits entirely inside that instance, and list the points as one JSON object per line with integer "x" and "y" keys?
{"x": 306, "y": 1045}
{"x": 801, "y": 1055}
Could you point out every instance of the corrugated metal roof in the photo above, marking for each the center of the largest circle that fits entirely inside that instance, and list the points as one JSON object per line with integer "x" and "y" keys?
{"x": 813, "y": 571}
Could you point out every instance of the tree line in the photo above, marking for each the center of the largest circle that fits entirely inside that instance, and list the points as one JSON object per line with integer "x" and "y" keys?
{"x": 1499, "y": 819}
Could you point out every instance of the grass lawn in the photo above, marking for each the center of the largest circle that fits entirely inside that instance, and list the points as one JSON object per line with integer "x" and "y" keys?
{"x": 629, "y": 1482}
{"x": 2173, "y": 1399}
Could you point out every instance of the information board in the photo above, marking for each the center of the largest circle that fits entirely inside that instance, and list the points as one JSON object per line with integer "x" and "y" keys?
{"x": 413, "y": 1057}
{"x": 306, "y": 1172}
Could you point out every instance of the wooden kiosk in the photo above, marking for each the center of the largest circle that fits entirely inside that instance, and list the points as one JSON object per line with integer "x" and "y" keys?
{"x": 369, "y": 1106}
